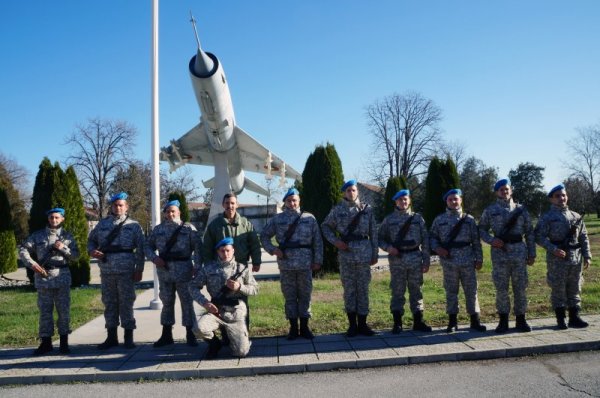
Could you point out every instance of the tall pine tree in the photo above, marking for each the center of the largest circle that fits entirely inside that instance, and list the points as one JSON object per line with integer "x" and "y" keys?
{"x": 8, "y": 243}
{"x": 183, "y": 206}
{"x": 320, "y": 191}
{"x": 394, "y": 184}
{"x": 76, "y": 223}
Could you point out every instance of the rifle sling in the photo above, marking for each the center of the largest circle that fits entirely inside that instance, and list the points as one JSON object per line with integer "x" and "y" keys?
{"x": 290, "y": 231}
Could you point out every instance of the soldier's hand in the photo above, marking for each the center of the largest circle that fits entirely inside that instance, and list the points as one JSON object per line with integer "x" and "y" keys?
{"x": 211, "y": 308}
{"x": 315, "y": 267}
{"x": 96, "y": 254}
{"x": 59, "y": 245}
{"x": 373, "y": 261}
{"x": 559, "y": 253}
{"x": 425, "y": 268}
{"x": 530, "y": 260}
{"x": 497, "y": 243}
{"x": 440, "y": 251}
{"x": 137, "y": 276}
{"x": 478, "y": 265}
{"x": 392, "y": 251}
{"x": 586, "y": 263}
{"x": 37, "y": 268}
{"x": 278, "y": 253}
{"x": 159, "y": 262}
{"x": 233, "y": 285}
{"x": 341, "y": 245}
{"x": 255, "y": 267}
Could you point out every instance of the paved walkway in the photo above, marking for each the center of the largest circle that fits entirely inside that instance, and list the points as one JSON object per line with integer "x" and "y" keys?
{"x": 271, "y": 355}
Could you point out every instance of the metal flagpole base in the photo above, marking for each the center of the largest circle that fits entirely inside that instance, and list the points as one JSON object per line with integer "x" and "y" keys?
{"x": 156, "y": 303}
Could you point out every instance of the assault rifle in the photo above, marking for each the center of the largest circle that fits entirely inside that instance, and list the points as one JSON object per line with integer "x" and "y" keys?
{"x": 565, "y": 244}
{"x": 106, "y": 246}
{"x": 401, "y": 234}
{"x": 221, "y": 299}
{"x": 454, "y": 233}
{"x": 504, "y": 234}
{"x": 288, "y": 235}
{"x": 349, "y": 235}
{"x": 170, "y": 243}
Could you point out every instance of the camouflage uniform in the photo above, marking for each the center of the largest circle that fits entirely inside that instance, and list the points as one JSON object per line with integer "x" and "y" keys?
{"x": 564, "y": 275}
{"x": 176, "y": 276}
{"x": 355, "y": 268}
{"x": 232, "y": 314}
{"x": 464, "y": 252}
{"x": 304, "y": 248}
{"x": 510, "y": 261}
{"x": 54, "y": 289}
{"x": 125, "y": 257}
{"x": 407, "y": 268}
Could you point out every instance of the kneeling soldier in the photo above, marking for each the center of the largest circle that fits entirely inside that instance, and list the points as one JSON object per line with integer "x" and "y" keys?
{"x": 53, "y": 248}
{"x": 404, "y": 236}
{"x": 227, "y": 282}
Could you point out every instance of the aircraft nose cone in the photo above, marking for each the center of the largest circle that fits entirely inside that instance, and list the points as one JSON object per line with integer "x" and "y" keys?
{"x": 203, "y": 64}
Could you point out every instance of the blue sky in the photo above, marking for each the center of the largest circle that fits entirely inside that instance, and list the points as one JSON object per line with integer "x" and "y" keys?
{"x": 513, "y": 78}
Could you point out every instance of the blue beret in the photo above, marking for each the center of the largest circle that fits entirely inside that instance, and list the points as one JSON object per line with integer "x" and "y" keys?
{"x": 453, "y": 191}
{"x": 401, "y": 193}
{"x": 347, "y": 184}
{"x": 290, "y": 192}
{"x": 171, "y": 203}
{"x": 224, "y": 242}
{"x": 500, "y": 183}
{"x": 559, "y": 187}
{"x": 118, "y": 196}
{"x": 58, "y": 210}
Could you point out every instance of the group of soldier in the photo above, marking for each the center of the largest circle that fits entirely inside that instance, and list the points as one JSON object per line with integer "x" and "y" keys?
{"x": 220, "y": 262}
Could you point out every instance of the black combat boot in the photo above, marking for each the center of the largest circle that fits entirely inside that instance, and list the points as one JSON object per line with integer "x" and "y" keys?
{"x": 502, "y": 324}
{"x": 397, "y": 328}
{"x": 293, "y": 332}
{"x": 214, "y": 345}
{"x": 352, "y": 328}
{"x": 111, "y": 339}
{"x": 419, "y": 324}
{"x": 574, "y": 320}
{"x": 522, "y": 325}
{"x": 305, "y": 330}
{"x": 64, "y": 344}
{"x": 476, "y": 323}
{"x": 45, "y": 346}
{"x": 128, "y": 343}
{"x": 560, "y": 318}
{"x": 190, "y": 337}
{"x": 452, "y": 323}
{"x": 166, "y": 337}
{"x": 363, "y": 328}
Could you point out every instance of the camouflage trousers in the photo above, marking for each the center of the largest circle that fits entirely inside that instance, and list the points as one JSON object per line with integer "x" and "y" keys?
{"x": 355, "y": 281}
{"x": 405, "y": 275}
{"x": 296, "y": 286}
{"x": 48, "y": 298}
{"x": 118, "y": 295}
{"x": 503, "y": 272}
{"x": 456, "y": 274}
{"x": 565, "y": 279}
{"x": 167, "y": 289}
{"x": 233, "y": 320}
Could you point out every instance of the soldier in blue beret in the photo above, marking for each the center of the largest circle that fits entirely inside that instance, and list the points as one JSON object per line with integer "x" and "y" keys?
{"x": 563, "y": 234}
{"x": 48, "y": 252}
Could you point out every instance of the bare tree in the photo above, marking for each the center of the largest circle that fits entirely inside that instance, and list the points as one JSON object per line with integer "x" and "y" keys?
{"x": 14, "y": 178}
{"x": 405, "y": 133}
{"x": 100, "y": 149}
{"x": 584, "y": 161}
{"x": 455, "y": 150}
{"x": 182, "y": 181}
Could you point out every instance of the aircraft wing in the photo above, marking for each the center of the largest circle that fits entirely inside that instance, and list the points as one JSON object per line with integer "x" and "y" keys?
{"x": 192, "y": 148}
{"x": 255, "y": 157}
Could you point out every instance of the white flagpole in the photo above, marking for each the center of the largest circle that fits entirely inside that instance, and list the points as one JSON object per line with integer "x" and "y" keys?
{"x": 156, "y": 303}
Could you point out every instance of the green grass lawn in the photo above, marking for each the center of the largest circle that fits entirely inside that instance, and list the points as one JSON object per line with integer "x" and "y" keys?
{"x": 19, "y": 313}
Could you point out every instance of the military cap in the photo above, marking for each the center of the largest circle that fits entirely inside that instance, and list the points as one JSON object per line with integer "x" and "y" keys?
{"x": 347, "y": 184}
{"x": 559, "y": 187}
{"x": 58, "y": 210}
{"x": 500, "y": 183}
{"x": 171, "y": 203}
{"x": 401, "y": 193}
{"x": 118, "y": 196}
{"x": 453, "y": 191}
{"x": 290, "y": 192}
{"x": 224, "y": 242}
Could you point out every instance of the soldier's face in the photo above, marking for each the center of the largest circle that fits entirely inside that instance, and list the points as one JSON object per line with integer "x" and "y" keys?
{"x": 559, "y": 198}
{"x": 453, "y": 202}
{"x": 403, "y": 202}
{"x": 351, "y": 193}
{"x": 172, "y": 213}
{"x": 504, "y": 192}
{"x": 55, "y": 219}
{"x": 292, "y": 202}
{"x": 230, "y": 205}
{"x": 225, "y": 253}
{"x": 119, "y": 207}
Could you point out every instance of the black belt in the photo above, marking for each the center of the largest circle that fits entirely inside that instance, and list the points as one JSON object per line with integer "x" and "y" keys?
{"x": 458, "y": 245}
{"x": 512, "y": 239}
{"x": 413, "y": 249}
{"x": 175, "y": 258}
{"x": 55, "y": 264}
{"x": 117, "y": 250}
{"x": 560, "y": 245}
{"x": 230, "y": 302}
{"x": 293, "y": 245}
{"x": 353, "y": 238}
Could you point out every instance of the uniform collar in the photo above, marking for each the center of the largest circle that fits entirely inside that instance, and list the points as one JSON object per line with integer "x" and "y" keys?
{"x": 403, "y": 212}
{"x": 458, "y": 212}
{"x": 507, "y": 204}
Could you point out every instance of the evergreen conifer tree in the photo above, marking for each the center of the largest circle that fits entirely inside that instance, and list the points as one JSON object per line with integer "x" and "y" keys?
{"x": 394, "y": 184}
{"x": 183, "y": 206}
{"x": 441, "y": 177}
{"x": 8, "y": 243}
{"x": 76, "y": 223}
